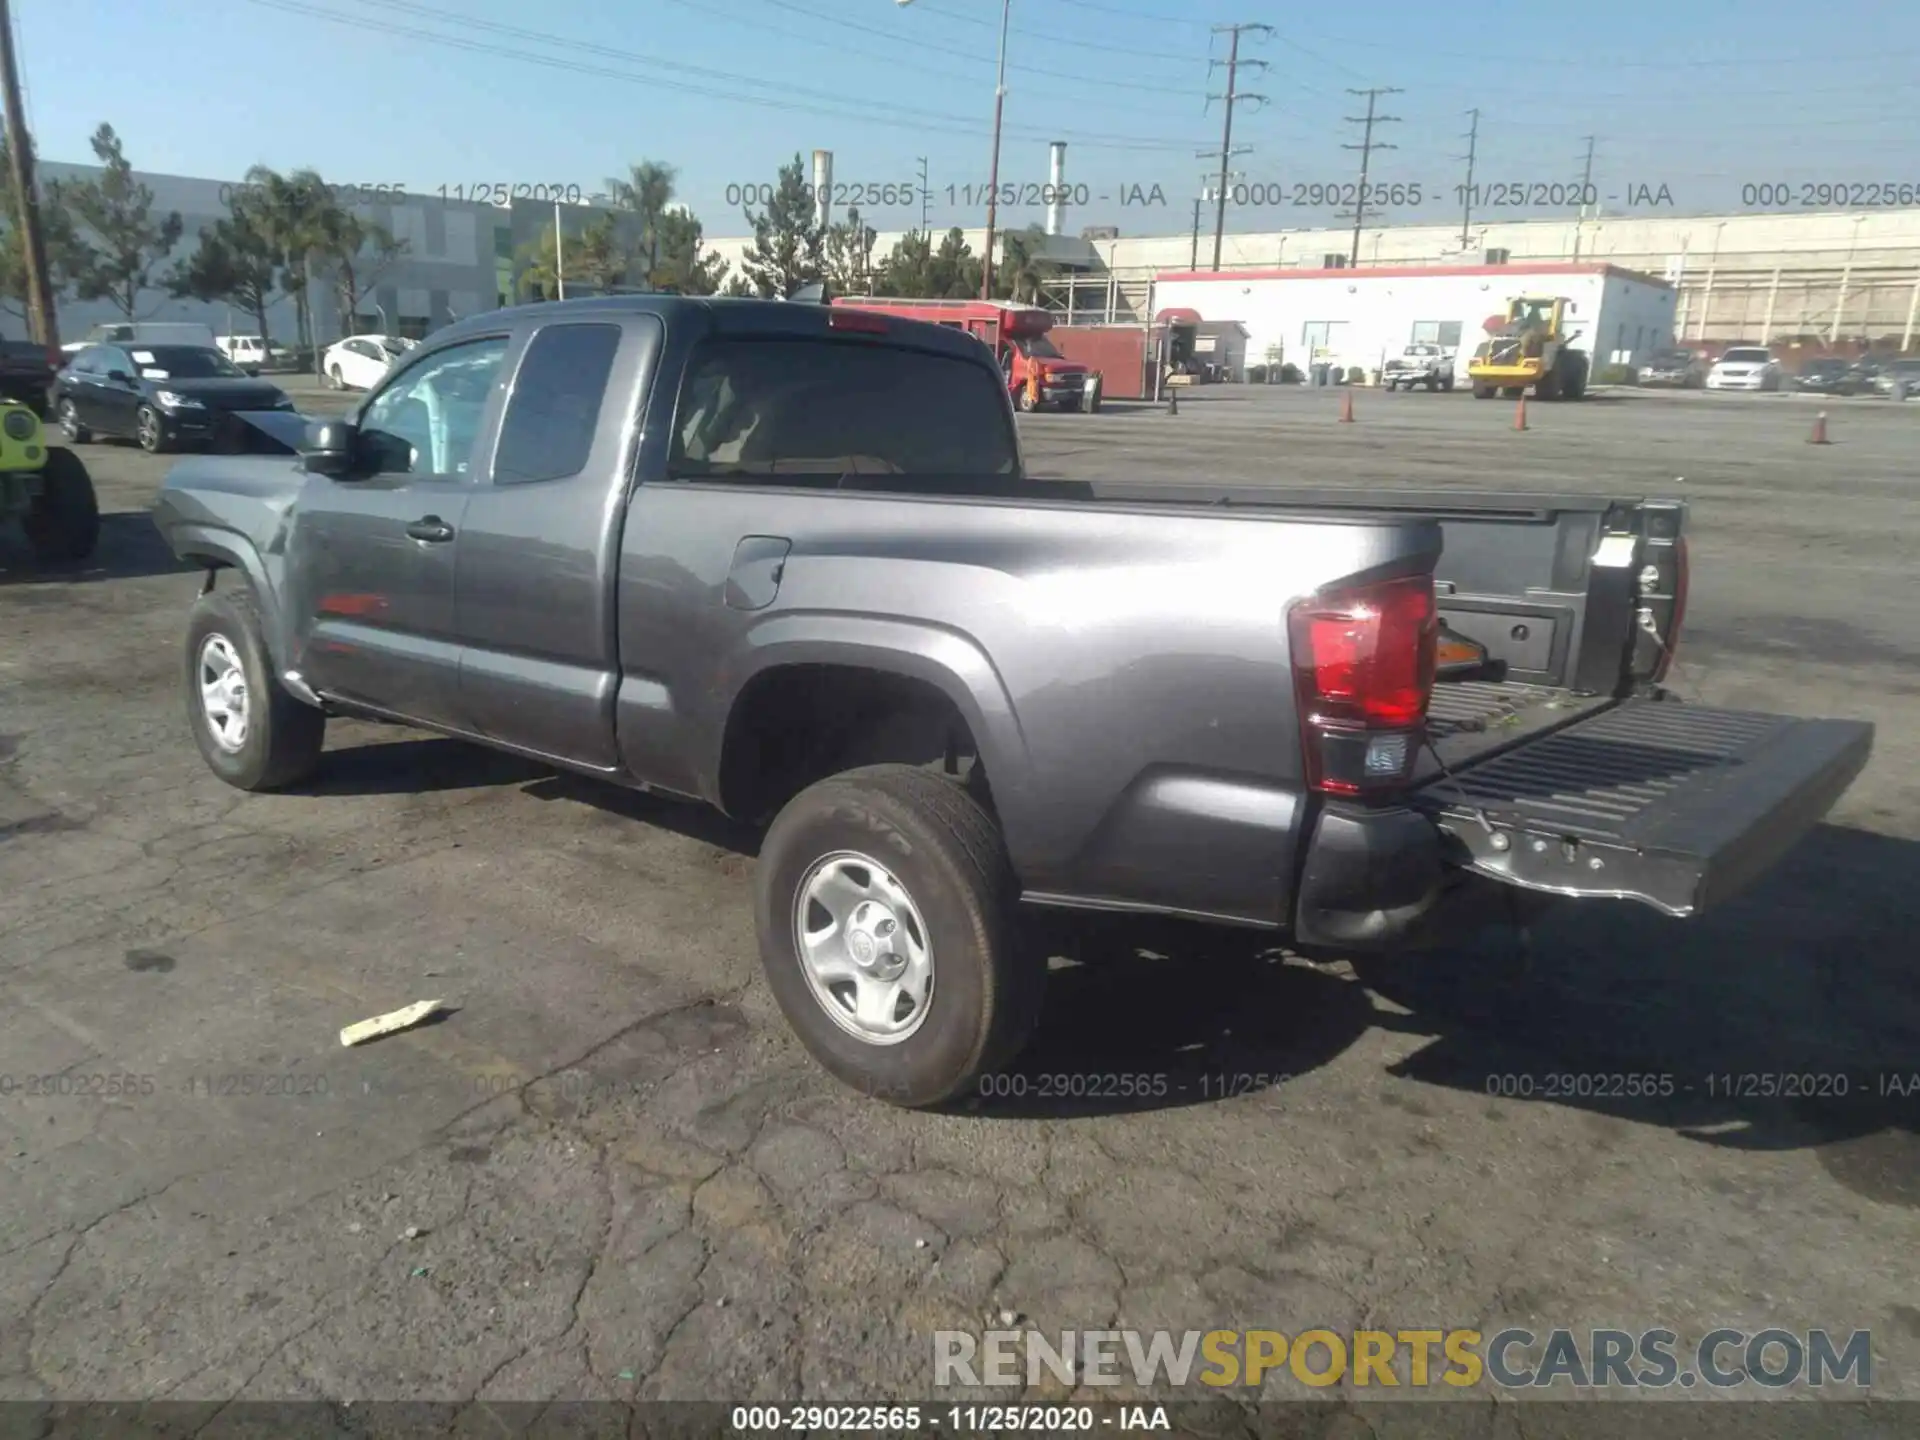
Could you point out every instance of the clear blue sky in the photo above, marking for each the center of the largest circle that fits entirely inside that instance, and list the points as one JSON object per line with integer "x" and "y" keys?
{"x": 1701, "y": 97}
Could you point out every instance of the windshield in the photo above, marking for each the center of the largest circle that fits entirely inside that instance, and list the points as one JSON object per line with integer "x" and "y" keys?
{"x": 185, "y": 362}
{"x": 1039, "y": 346}
{"x": 1674, "y": 357}
{"x": 393, "y": 346}
{"x": 1823, "y": 367}
{"x": 826, "y": 407}
{"x": 1745, "y": 357}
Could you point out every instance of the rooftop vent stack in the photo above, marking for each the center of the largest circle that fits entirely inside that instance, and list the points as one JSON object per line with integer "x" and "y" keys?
{"x": 823, "y": 187}
{"x": 1057, "y": 199}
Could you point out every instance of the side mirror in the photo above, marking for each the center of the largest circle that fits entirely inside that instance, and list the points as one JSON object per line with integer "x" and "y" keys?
{"x": 331, "y": 447}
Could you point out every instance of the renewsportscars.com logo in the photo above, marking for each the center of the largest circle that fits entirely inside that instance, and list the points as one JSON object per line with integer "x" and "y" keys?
{"x": 1414, "y": 1359}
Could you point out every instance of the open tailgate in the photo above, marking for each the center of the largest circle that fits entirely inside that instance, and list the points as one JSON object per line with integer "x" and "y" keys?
{"x": 1675, "y": 805}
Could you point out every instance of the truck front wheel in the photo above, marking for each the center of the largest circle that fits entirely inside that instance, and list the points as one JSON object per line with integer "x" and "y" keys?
{"x": 885, "y": 906}
{"x": 252, "y": 732}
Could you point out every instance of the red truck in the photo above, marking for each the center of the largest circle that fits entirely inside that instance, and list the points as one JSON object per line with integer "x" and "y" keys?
{"x": 1039, "y": 377}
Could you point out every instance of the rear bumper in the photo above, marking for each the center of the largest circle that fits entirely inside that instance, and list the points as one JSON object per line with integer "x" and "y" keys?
{"x": 1677, "y": 806}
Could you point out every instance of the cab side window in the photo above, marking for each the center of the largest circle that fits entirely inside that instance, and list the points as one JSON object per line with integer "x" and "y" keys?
{"x": 428, "y": 420}
{"x": 548, "y": 429}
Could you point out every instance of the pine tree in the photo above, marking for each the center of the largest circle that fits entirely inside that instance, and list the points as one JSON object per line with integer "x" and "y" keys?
{"x": 787, "y": 238}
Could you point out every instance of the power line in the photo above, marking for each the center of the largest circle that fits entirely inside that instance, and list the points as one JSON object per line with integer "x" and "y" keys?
{"x": 1233, "y": 94}
{"x": 1587, "y": 62}
{"x": 1366, "y": 147}
{"x": 896, "y": 57}
{"x": 1158, "y": 17}
{"x": 911, "y": 119}
{"x": 1078, "y": 42}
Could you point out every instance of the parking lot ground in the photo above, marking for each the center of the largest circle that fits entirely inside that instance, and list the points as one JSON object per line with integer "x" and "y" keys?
{"x": 609, "y": 1173}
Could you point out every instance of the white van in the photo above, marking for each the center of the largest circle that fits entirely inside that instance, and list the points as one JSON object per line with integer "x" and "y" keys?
{"x": 244, "y": 350}
{"x": 145, "y": 333}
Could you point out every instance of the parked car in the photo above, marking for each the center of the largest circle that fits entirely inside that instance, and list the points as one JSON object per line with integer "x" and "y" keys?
{"x": 1685, "y": 369}
{"x": 144, "y": 332}
{"x": 1745, "y": 367}
{"x": 1897, "y": 379}
{"x": 1828, "y": 376}
{"x": 823, "y": 594}
{"x": 160, "y": 395}
{"x": 360, "y": 362}
{"x": 27, "y": 369}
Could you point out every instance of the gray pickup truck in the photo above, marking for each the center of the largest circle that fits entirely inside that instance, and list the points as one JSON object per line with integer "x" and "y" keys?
{"x": 783, "y": 559}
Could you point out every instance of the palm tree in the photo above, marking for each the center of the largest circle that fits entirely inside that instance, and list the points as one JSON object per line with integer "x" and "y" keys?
{"x": 646, "y": 191}
{"x": 1022, "y": 270}
{"x": 298, "y": 216}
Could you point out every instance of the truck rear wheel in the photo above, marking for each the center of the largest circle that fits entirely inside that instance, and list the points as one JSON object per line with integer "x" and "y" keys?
{"x": 885, "y": 906}
{"x": 253, "y": 734}
{"x": 63, "y": 525}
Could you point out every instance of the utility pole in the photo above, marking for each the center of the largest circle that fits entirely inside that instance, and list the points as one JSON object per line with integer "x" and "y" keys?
{"x": 1193, "y": 258}
{"x": 1233, "y": 63}
{"x": 926, "y": 195}
{"x": 1366, "y": 147}
{"x": 1586, "y": 181}
{"x": 43, "y": 320}
{"x": 1466, "y": 191}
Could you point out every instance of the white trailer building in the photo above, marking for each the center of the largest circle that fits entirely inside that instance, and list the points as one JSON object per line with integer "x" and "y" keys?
{"x": 1360, "y": 317}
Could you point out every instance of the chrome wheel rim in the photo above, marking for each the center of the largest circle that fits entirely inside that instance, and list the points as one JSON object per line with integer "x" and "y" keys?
{"x": 69, "y": 420}
{"x": 224, "y": 700}
{"x": 149, "y": 428}
{"x": 864, "y": 948}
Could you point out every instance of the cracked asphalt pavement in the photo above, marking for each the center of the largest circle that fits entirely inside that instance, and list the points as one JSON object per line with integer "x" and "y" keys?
{"x": 609, "y": 1172}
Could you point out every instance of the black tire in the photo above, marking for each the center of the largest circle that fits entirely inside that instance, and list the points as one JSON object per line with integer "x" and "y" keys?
{"x": 70, "y": 426}
{"x": 947, "y": 851}
{"x": 1446, "y": 384}
{"x": 148, "y": 431}
{"x": 1027, "y": 403}
{"x": 1482, "y": 392}
{"x": 1433, "y": 383}
{"x": 284, "y": 736}
{"x": 64, "y": 524}
{"x": 1573, "y": 385}
{"x": 1548, "y": 386}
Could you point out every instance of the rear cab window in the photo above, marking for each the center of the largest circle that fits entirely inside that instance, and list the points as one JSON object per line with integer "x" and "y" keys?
{"x": 830, "y": 407}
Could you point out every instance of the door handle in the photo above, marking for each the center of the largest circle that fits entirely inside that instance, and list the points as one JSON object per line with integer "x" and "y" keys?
{"x": 432, "y": 529}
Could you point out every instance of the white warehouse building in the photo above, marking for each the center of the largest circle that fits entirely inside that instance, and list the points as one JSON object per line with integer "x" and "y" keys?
{"x": 1349, "y": 317}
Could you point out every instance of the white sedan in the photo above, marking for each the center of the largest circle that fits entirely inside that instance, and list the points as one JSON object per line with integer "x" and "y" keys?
{"x": 1745, "y": 368}
{"x": 359, "y": 362}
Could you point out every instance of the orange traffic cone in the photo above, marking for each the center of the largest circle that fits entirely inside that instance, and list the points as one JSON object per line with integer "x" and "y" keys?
{"x": 1520, "y": 413}
{"x": 1819, "y": 436}
{"x": 1346, "y": 408}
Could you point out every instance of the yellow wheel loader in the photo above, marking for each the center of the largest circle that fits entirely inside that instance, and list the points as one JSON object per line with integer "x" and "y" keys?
{"x": 1529, "y": 349}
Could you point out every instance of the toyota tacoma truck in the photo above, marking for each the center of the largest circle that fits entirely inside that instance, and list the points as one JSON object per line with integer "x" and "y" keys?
{"x": 1428, "y": 365}
{"x": 783, "y": 559}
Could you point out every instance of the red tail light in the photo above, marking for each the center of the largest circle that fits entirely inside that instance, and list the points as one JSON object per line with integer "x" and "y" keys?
{"x": 864, "y": 321}
{"x": 1363, "y": 665}
{"x": 1672, "y": 637}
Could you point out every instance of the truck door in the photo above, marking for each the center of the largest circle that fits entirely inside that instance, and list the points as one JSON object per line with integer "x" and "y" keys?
{"x": 370, "y": 588}
{"x": 538, "y": 565}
